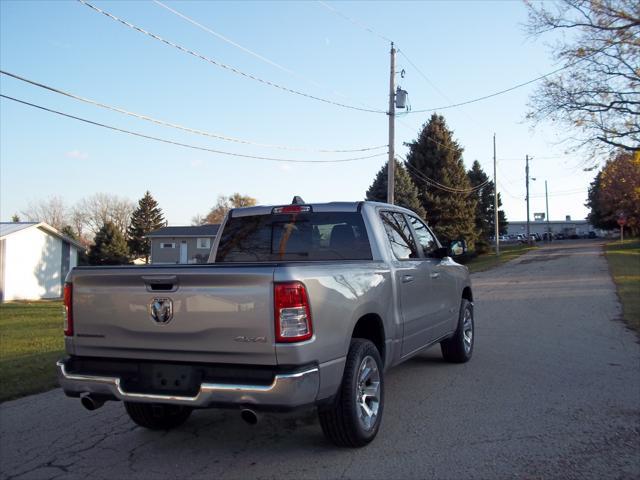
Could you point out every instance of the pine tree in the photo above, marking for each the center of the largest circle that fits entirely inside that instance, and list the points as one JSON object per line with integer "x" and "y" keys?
{"x": 68, "y": 231}
{"x": 144, "y": 220}
{"x": 110, "y": 247}
{"x": 485, "y": 214}
{"x": 436, "y": 156}
{"x": 406, "y": 193}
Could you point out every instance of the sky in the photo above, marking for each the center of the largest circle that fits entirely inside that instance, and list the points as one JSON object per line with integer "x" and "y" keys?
{"x": 464, "y": 49}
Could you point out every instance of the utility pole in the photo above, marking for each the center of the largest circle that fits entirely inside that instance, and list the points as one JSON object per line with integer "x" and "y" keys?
{"x": 528, "y": 224}
{"x": 546, "y": 197}
{"x": 495, "y": 197}
{"x": 392, "y": 117}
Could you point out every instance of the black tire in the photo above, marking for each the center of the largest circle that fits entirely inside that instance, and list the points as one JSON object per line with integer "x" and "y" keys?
{"x": 341, "y": 421}
{"x": 157, "y": 416}
{"x": 456, "y": 349}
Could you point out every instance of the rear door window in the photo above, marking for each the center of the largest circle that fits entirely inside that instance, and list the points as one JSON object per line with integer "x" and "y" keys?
{"x": 295, "y": 236}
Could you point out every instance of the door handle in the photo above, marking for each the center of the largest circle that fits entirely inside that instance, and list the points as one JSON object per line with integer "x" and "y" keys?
{"x": 407, "y": 279}
{"x": 434, "y": 275}
{"x": 166, "y": 283}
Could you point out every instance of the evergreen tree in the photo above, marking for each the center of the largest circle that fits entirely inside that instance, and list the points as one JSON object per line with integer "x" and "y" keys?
{"x": 110, "y": 247}
{"x": 485, "y": 214}
{"x": 144, "y": 220}
{"x": 436, "y": 157}
{"x": 68, "y": 231}
{"x": 406, "y": 193}
{"x": 15, "y": 218}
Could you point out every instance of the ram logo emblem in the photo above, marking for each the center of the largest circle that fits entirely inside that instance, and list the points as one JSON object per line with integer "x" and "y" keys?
{"x": 161, "y": 310}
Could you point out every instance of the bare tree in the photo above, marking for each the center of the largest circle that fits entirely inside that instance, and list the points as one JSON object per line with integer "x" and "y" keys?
{"x": 198, "y": 220}
{"x": 222, "y": 206}
{"x": 52, "y": 211}
{"x": 91, "y": 213}
{"x": 598, "y": 94}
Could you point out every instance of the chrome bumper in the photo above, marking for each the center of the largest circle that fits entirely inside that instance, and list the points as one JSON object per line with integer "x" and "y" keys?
{"x": 287, "y": 390}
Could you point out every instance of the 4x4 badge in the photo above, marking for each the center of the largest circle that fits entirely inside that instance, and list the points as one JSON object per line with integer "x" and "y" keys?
{"x": 161, "y": 310}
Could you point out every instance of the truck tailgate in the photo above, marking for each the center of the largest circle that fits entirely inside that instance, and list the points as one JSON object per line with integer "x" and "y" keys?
{"x": 218, "y": 313}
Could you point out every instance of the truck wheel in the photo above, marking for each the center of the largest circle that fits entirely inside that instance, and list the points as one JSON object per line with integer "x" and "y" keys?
{"x": 459, "y": 348}
{"x": 157, "y": 416}
{"x": 353, "y": 418}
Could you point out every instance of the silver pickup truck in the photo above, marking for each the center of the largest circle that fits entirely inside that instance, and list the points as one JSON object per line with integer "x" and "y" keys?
{"x": 300, "y": 305}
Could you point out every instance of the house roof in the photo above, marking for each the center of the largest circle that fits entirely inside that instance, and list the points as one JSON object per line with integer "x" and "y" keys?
{"x": 189, "y": 231}
{"x": 9, "y": 228}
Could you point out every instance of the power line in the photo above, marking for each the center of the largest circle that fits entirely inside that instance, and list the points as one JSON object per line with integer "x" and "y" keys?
{"x": 423, "y": 75}
{"x": 563, "y": 193}
{"x": 432, "y": 140}
{"x": 223, "y": 65}
{"x": 503, "y": 189}
{"x": 247, "y": 50}
{"x": 453, "y": 105}
{"x": 223, "y": 38}
{"x": 354, "y": 22}
{"x": 186, "y": 145}
{"x": 446, "y": 188}
{"x": 495, "y": 94}
{"x": 180, "y": 127}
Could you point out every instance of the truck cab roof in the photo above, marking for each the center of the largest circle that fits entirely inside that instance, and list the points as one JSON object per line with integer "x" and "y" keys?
{"x": 315, "y": 207}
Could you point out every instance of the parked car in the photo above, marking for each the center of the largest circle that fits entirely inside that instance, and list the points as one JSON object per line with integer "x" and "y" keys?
{"x": 592, "y": 234}
{"x": 302, "y": 305}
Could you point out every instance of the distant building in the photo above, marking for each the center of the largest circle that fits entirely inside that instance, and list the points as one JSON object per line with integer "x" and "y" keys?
{"x": 34, "y": 260}
{"x": 567, "y": 227}
{"x": 182, "y": 244}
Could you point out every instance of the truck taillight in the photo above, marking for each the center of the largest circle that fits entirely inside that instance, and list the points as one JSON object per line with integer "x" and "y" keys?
{"x": 68, "y": 309}
{"x": 292, "y": 313}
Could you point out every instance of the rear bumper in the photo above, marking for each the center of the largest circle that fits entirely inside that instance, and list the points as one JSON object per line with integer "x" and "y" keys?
{"x": 288, "y": 390}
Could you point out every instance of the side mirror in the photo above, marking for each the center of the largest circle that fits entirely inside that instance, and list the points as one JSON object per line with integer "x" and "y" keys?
{"x": 457, "y": 248}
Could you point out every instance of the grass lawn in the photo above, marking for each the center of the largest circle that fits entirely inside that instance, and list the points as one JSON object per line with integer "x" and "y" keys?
{"x": 490, "y": 260}
{"x": 31, "y": 340}
{"x": 624, "y": 263}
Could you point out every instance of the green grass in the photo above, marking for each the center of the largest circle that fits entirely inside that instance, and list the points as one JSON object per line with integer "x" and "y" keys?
{"x": 31, "y": 340}
{"x": 490, "y": 260}
{"x": 624, "y": 263}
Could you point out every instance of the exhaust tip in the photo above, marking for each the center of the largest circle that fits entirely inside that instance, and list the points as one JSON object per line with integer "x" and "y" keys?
{"x": 249, "y": 416}
{"x": 91, "y": 403}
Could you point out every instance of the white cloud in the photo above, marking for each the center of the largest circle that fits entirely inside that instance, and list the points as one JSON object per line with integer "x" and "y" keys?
{"x": 77, "y": 155}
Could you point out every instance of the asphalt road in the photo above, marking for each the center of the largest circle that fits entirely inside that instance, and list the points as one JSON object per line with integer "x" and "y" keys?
{"x": 553, "y": 391}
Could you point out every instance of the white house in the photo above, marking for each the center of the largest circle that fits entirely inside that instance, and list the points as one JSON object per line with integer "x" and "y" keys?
{"x": 34, "y": 260}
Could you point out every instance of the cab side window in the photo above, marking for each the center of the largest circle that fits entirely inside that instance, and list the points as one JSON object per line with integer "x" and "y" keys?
{"x": 399, "y": 234}
{"x": 426, "y": 240}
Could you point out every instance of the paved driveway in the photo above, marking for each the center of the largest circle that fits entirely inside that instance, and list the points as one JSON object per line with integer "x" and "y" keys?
{"x": 552, "y": 391}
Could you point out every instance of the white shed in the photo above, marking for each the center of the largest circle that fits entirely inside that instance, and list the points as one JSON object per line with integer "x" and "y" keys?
{"x": 34, "y": 260}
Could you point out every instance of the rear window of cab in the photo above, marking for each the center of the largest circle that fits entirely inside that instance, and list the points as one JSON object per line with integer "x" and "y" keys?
{"x": 294, "y": 237}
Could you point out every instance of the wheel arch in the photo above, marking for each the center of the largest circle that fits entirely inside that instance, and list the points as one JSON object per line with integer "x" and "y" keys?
{"x": 467, "y": 294}
{"x": 371, "y": 327}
